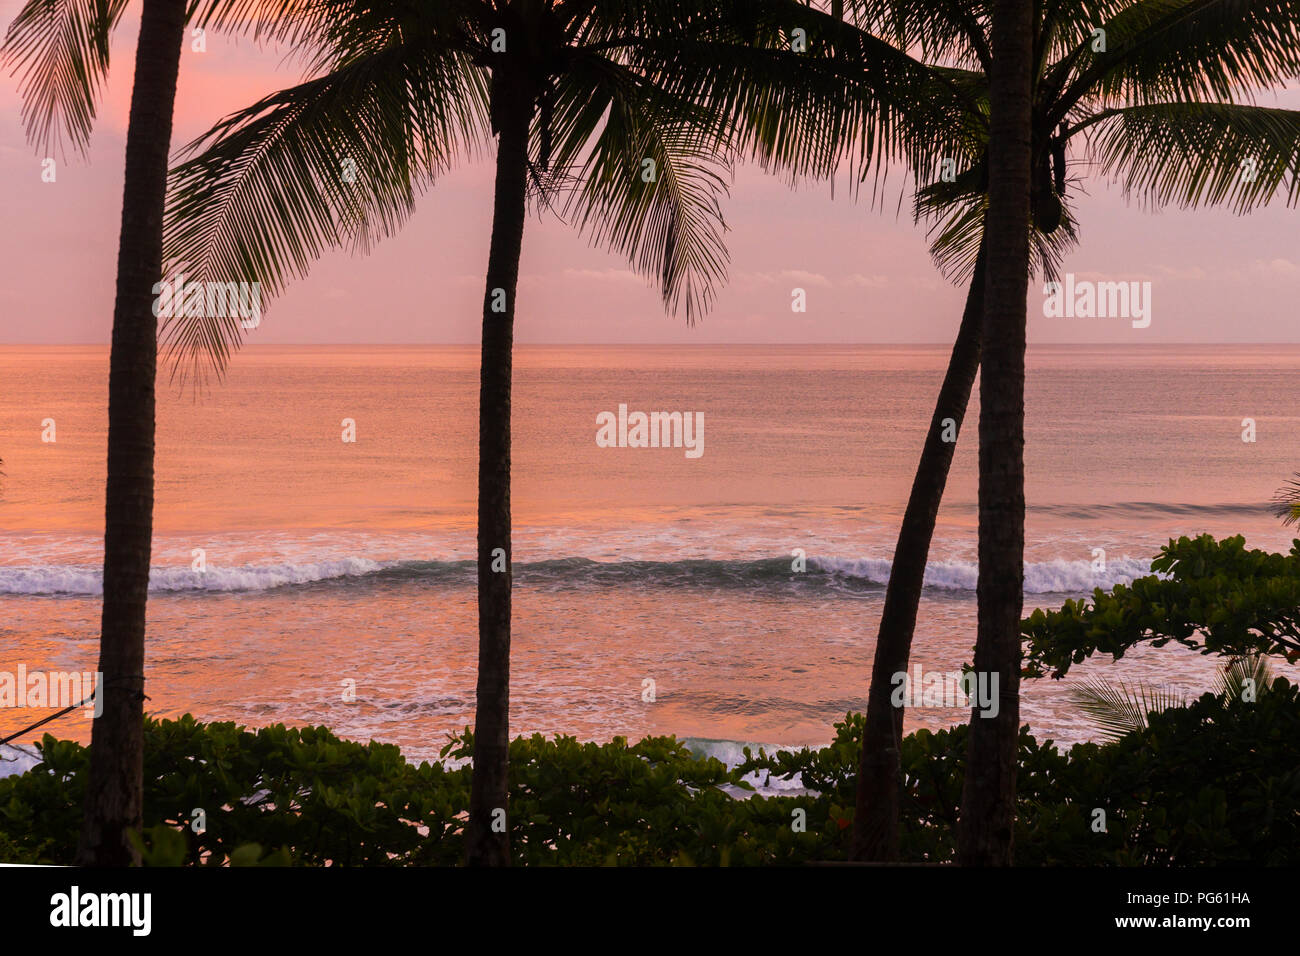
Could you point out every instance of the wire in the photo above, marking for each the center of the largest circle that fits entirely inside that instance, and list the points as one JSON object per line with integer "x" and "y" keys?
{"x": 85, "y": 700}
{"x": 46, "y": 720}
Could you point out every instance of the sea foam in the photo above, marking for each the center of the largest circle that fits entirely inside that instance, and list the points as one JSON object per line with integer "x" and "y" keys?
{"x": 774, "y": 575}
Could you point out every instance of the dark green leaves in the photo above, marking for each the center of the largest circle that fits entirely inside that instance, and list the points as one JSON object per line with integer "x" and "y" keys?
{"x": 1214, "y": 782}
{"x": 1213, "y": 596}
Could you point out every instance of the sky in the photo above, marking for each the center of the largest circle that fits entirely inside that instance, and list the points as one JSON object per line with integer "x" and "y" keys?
{"x": 866, "y": 273}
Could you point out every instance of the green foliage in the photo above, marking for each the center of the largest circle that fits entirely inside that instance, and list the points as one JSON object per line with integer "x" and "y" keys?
{"x": 1251, "y": 667}
{"x": 1211, "y": 783}
{"x": 163, "y": 845}
{"x": 12, "y": 851}
{"x": 1214, "y": 596}
{"x": 160, "y": 845}
{"x": 1118, "y": 709}
{"x": 329, "y": 800}
{"x": 653, "y": 803}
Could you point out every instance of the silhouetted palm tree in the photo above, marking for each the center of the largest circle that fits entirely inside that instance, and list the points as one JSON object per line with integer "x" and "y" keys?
{"x": 61, "y": 50}
{"x": 630, "y": 111}
{"x": 1160, "y": 93}
{"x": 62, "y": 47}
{"x": 987, "y": 822}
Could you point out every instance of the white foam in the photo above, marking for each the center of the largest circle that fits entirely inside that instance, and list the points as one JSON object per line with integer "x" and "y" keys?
{"x": 1056, "y": 576}
{"x": 87, "y": 580}
{"x": 16, "y": 760}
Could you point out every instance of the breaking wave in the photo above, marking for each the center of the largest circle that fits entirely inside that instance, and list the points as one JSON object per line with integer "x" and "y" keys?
{"x": 775, "y": 575}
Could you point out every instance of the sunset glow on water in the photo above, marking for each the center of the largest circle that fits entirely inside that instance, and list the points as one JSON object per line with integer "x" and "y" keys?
{"x": 329, "y": 561}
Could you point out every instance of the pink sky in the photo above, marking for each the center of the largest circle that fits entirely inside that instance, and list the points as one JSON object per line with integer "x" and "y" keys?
{"x": 868, "y": 277}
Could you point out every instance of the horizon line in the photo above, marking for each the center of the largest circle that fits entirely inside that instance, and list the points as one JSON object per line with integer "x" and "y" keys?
{"x": 672, "y": 345}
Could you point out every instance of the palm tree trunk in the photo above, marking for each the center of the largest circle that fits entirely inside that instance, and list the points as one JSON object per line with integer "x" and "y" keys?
{"x": 487, "y": 841}
{"x": 986, "y": 828}
{"x": 115, "y": 793}
{"x": 875, "y": 823}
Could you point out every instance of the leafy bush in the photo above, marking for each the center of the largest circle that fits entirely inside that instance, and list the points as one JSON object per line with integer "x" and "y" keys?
{"x": 327, "y": 799}
{"x": 1215, "y": 782}
{"x": 1213, "y": 596}
{"x": 651, "y": 803}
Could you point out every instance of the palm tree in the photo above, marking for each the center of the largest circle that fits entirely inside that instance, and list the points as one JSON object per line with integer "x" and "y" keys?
{"x": 631, "y": 111}
{"x": 987, "y": 823}
{"x": 1164, "y": 106}
{"x": 61, "y": 48}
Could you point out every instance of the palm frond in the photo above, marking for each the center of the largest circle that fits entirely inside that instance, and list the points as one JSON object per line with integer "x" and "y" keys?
{"x": 330, "y": 24}
{"x": 1177, "y": 50}
{"x": 1119, "y": 709}
{"x": 333, "y": 162}
{"x": 59, "y": 49}
{"x": 848, "y": 94}
{"x": 651, "y": 183}
{"x": 1249, "y": 667}
{"x": 954, "y": 212}
{"x": 1197, "y": 154}
{"x": 1066, "y": 30}
{"x": 276, "y": 20}
{"x": 1286, "y": 503}
{"x": 951, "y": 33}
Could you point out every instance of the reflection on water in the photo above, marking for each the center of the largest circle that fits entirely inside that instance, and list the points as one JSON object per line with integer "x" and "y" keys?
{"x": 328, "y": 561}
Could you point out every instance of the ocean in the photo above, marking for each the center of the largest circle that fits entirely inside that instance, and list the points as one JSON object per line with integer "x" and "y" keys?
{"x": 328, "y": 561}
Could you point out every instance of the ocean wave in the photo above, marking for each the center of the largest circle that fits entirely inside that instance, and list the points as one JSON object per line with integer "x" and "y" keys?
{"x": 1146, "y": 509}
{"x": 773, "y": 575}
{"x": 1057, "y": 576}
{"x": 79, "y": 579}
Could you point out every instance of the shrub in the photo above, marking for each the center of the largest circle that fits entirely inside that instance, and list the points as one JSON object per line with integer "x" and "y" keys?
{"x": 1215, "y": 782}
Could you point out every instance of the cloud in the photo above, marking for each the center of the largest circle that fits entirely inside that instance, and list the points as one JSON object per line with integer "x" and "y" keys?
{"x": 604, "y": 275}
{"x": 1125, "y": 276}
{"x": 1272, "y": 268}
{"x": 1276, "y": 267}
{"x": 797, "y": 276}
{"x": 1194, "y": 274}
